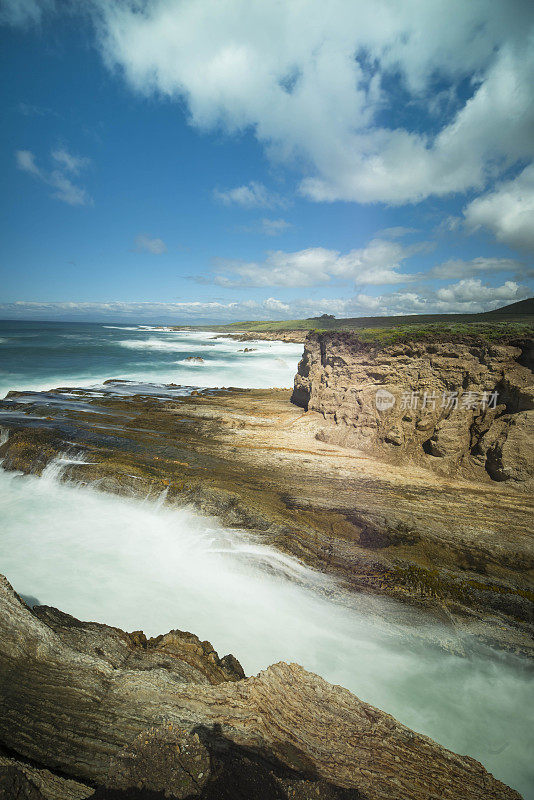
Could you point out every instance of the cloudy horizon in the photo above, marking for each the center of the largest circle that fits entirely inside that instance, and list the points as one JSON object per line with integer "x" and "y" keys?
{"x": 203, "y": 162}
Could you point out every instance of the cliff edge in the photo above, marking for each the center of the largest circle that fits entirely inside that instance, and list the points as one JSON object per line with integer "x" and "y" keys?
{"x": 462, "y": 406}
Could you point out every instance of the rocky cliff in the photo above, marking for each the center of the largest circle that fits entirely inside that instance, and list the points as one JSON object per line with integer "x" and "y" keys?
{"x": 448, "y": 405}
{"x": 132, "y": 718}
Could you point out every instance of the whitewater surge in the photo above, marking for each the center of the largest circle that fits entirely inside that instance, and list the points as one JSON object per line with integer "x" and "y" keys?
{"x": 139, "y": 564}
{"x": 49, "y": 355}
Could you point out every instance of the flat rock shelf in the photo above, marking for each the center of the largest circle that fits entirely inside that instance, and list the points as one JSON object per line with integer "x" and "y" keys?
{"x": 456, "y": 550}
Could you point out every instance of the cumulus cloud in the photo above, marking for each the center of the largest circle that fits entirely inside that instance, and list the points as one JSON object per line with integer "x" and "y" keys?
{"x": 63, "y": 187}
{"x": 332, "y": 92}
{"x": 250, "y": 195}
{"x": 508, "y": 211}
{"x": 144, "y": 243}
{"x": 467, "y": 296}
{"x": 377, "y": 263}
{"x": 272, "y": 304}
{"x": 471, "y": 296}
{"x": 473, "y": 291}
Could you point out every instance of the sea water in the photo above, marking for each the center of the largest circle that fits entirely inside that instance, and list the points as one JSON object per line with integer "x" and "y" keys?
{"x": 139, "y": 564}
{"x": 36, "y": 355}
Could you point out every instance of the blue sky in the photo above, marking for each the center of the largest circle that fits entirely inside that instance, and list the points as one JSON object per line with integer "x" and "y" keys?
{"x": 196, "y": 161}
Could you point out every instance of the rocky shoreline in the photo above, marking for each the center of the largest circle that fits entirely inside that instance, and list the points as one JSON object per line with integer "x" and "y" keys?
{"x": 457, "y": 550}
{"x": 354, "y": 491}
{"x": 297, "y": 337}
{"x": 131, "y": 718}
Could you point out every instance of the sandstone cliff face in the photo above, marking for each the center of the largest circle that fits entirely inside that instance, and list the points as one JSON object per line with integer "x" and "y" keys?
{"x": 142, "y": 720}
{"x": 447, "y": 405}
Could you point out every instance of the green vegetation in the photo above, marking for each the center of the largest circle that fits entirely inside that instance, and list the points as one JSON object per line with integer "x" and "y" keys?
{"x": 453, "y": 331}
{"x": 513, "y": 321}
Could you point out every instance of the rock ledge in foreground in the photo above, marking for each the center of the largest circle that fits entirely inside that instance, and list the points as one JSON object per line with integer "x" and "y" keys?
{"x": 102, "y": 706}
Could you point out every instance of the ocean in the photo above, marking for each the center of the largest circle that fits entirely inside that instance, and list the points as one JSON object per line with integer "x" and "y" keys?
{"x": 45, "y": 355}
{"x": 141, "y": 564}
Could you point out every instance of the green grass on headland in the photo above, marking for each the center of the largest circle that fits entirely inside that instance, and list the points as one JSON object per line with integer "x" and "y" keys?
{"x": 509, "y": 322}
{"x": 498, "y": 331}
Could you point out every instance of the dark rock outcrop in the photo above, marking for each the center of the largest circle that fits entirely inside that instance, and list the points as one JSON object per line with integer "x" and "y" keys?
{"x": 21, "y": 780}
{"x": 146, "y": 721}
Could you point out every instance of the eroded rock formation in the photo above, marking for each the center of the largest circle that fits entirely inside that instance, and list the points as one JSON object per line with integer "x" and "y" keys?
{"x": 168, "y": 716}
{"x": 447, "y": 405}
{"x": 459, "y": 550}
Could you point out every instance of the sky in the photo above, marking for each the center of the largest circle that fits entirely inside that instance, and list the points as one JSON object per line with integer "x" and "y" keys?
{"x": 197, "y": 161}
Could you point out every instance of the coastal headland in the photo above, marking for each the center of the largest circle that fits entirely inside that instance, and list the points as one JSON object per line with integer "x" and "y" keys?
{"x": 428, "y": 505}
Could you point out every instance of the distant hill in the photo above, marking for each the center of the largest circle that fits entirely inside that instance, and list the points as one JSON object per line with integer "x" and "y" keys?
{"x": 523, "y": 312}
{"x": 508, "y": 322}
{"x": 522, "y": 308}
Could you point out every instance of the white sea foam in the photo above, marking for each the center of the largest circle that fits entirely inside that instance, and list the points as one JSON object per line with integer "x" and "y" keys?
{"x": 144, "y": 565}
{"x": 184, "y": 362}
{"x": 8, "y": 383}
{"x": 156, "y": 344}
{"x": 148, "y": 358}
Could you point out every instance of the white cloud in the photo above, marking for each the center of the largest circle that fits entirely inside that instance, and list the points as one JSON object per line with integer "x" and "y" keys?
{"x": 471, "y": 292}
{"x": 267, "y": 227}
{"x": 24, "y": 12}
{"x": 67, "y": 191}
{"x": 145, "y": 243}
{"x": 68, "y": 161}
{"x": 457, "y": 268}
{"x": 250, "y": 195}
{"x": 64, "y": 189}
{"x": 192, "y": 312}
{"x": 375, "y": 264}
{"x": 272, "y": 304}
{"x": 448, "y": 224}
{"x": 274, "y": 227}
{"x": 508, "y": 211}
{"x": 315, "y": 87}
{"x": 462, "y": 297}
{"x": 26, "y": 162}
{"x": 468, "y": 296}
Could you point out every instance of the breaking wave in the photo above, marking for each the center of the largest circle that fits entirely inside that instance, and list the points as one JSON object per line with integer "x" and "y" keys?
{"x": 141, "y": 564}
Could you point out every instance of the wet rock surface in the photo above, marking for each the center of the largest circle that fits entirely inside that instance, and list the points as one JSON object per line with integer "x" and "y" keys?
{"x": 72, "y": 703}
{"x": 457, "y": 548}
